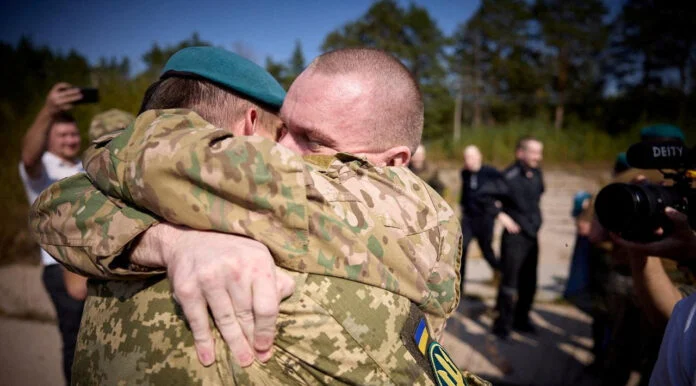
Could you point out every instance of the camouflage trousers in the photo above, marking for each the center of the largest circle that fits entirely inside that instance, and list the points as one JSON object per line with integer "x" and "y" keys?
{"x": 331, "y": 331}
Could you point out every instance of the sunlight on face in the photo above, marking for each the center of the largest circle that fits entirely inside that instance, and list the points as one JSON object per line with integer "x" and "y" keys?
{"x": 472, "y": 158}
{"x": 64, "y": 140}
{"x": 322, "y": 114}
{"x": 532, "y": 154}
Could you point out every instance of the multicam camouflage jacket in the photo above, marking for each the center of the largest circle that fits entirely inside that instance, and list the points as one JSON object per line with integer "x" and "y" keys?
{"x": 328, "y": 217}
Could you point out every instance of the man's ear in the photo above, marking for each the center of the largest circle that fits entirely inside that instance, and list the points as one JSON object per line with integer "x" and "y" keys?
{"x": 250, "y": 118}
{"x": 396, "y": 156}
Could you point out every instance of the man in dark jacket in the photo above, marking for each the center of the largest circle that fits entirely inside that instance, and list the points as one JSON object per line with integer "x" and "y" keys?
{"x": 478, "y": 206}
{"x": 520, "y": 246}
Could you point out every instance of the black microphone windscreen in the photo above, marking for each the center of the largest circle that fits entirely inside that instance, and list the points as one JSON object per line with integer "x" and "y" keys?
{"x": 658, "y": 155}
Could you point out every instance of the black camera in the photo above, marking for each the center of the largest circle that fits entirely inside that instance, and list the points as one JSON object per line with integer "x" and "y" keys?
{"x": 636, "y": 211}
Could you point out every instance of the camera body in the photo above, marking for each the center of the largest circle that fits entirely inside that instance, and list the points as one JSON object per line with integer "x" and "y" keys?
{"x": 636, "y": 211}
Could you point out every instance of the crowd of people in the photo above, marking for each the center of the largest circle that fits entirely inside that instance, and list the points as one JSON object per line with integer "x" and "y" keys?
{"x": 242, "y": 235}
{"x": 630, "y": 289}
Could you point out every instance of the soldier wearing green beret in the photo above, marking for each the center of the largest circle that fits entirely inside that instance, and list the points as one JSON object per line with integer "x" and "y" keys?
{"x": 372, "y": 250}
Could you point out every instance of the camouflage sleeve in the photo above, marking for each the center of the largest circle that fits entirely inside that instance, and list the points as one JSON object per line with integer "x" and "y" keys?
{"x": 183, "y": 169}
{"x": 86, "y": 231}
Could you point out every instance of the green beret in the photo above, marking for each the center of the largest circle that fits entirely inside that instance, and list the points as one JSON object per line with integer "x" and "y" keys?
{"x": 661, "y": 130}
{"x": 228, "y": 70}
{"x": 621, "y": 164}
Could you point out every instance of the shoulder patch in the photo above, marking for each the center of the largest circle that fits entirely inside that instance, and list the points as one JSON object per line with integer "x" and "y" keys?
{"x": 446, "y": 372}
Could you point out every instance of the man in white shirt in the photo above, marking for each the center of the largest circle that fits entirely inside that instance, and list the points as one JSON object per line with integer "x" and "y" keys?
{"x": 49, "y": 153}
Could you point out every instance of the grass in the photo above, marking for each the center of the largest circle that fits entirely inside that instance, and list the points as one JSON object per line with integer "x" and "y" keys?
{"x": 581, "y": 144}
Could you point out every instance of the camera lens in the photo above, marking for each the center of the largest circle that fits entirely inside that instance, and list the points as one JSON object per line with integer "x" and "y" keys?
{"x": 620, "y": 206}
{"x": 635, "y": 210}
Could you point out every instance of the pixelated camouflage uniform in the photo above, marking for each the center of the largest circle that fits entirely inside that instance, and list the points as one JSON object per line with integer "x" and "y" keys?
{"x": 363, "y": 243}
{"x": 108, "y": 122}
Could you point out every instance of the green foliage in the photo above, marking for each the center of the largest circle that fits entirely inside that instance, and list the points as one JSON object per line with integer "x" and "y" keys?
{"x": 581, "y": 144}
{"x": 286, "y": 73}
{"x": 157, "y": 57}
{"x": 27, "y": 73}
{"x": 498, "y": 69}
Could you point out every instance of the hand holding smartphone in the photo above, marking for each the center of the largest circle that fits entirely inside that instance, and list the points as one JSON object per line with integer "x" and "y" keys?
{"x": 89, "y": 95}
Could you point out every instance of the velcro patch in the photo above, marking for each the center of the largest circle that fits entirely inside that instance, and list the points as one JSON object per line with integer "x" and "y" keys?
{"x": 444, "y": 371}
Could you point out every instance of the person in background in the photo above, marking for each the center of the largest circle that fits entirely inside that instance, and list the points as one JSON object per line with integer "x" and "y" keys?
{"x": 641, "y": 289}
{"x": 520, "y": 244}
{"x": 479, "y": 208}
{"x": 676, "y": 362}
{"x": 50, "y": 152}
{"x": 420, "y": 167}
{"x": 579, "y": 276}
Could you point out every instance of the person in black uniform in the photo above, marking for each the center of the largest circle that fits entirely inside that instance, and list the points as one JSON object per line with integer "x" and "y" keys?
{"x": 520, "y": 246}
{"x": 478, "y": 207}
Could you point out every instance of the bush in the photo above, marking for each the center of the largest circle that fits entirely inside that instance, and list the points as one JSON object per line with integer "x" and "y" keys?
{"x": 582, "y": 143}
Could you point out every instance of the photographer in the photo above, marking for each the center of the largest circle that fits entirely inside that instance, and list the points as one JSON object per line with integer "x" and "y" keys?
{"x": 676, "y": 363}
{"x": 50, "y": 152}
{"x": 632, "y": 207}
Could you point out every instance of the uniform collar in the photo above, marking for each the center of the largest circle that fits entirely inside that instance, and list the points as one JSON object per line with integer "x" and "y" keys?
{"x": 325, "y": 161}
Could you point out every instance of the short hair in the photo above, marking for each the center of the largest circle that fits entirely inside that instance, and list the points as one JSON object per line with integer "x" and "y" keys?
{"x": 215, "y": 104}
{"x": 524, "y": 141}
{"x": 61, "y": 117}
{"x": 398, "y": 101}
{"x": 64, "y": 117}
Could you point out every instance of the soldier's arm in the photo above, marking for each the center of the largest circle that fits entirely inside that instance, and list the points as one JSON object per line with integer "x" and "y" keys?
{"x": 204, "y": 178}
{"x": 98, "y": 237}
{"x": 87, "y": 231}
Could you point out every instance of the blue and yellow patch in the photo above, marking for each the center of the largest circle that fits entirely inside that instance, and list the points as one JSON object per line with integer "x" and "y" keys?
{"x": 445, "y": 371}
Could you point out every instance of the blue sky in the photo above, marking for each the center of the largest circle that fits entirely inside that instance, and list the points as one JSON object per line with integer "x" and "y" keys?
{"x": 262, "y": 27}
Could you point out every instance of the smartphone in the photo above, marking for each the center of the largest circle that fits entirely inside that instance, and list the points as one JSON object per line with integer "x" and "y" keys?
{"x": 89, "y": 95}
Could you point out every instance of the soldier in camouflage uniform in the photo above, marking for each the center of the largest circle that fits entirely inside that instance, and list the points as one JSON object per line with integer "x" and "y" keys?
{"x": 108, "y": 122}
{"x": 370, "y": 248}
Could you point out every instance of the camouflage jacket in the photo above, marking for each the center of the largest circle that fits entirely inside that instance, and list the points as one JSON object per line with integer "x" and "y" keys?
{"x": 336, "y": 216}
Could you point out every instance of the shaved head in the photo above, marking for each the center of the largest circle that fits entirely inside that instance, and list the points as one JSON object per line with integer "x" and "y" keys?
{"x": 472, "y": 158}
{"x": 391, "y": 103}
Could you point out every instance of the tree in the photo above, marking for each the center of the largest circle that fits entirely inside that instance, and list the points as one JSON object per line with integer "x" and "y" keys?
{"x": 278, "y": 70}
{"x": 575, "y": 34}
{"x": 297, "y": 60}
{"x": 493, "y": 59}
{"x": 413, "y": 36}
{"x": 157, "y": 57}
{"x": 287, "y": 72}
{"x": 653, "y": 49}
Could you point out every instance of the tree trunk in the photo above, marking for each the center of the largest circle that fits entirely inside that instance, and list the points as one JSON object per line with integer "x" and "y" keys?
{"x": 457, "y": 127}
{"x": 563, "y": 65}
{"x": 477, "y": 79}
{"x": 477, "y": 113}
{"x": 560, "y": 111}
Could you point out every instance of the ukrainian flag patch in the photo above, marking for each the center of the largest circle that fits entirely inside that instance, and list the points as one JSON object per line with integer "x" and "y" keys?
{"x": 445, "y": 371}
{"x": 421, "y": 336}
